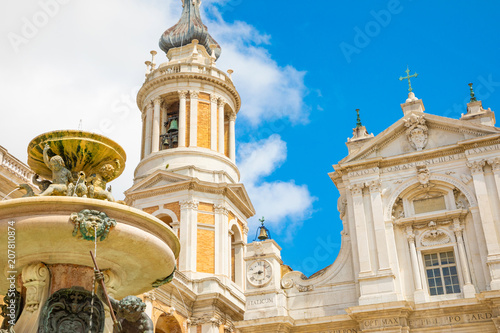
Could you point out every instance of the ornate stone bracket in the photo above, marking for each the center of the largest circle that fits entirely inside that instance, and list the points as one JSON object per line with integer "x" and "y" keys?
{"x": 35, "y": 280}
{"x": 92, "y": 224}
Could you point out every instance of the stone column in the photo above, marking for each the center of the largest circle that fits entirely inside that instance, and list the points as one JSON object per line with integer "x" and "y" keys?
{"x": 365, "y": 264}
{"x": 468, "y": 289}
{"x": 410, "y": 236}
{"x": 232, "y": 135}
{"x": 489, "y": 229}
{"x": 379, "y": 225}
{"x": 143, "y": 136}
{"x": 221, "y": 125}
{"x": 213, "y": 122}
{"x": 188, "y": 236}
{"x": 149, "y": 298}
{"x": 149, "y": 124}
{"x": 182, "y": 118}
{"x": 495, "y": 166}
{"x": 221, "y": 230}
{"x": 193, "y": 119}
{"x": 155, "y": 143}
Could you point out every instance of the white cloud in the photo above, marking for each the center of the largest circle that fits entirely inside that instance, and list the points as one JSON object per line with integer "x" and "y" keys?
{"x": 285, "y": 205}
{"x": 268, "y": 91}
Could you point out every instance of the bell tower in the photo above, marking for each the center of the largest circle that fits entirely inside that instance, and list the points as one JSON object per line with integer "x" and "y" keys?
{"x": 187, "y": 176}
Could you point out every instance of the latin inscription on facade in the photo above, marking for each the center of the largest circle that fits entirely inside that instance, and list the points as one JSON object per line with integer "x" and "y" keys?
{"x": 453, "y": 319}
{"x": 260, "y": 302}
{"x": 342, "y": 330}
{"x": 383, "y": 322}
{"x": 437, "y": 160}
{"x": 429, "y": 205}
{"x": 480, "y": 150}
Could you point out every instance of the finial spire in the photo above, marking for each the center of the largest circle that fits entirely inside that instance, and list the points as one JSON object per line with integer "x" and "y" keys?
{"x": 188, "y": 28}
{"x": 408, "y": 76}
{"x": 358, "y": 120}
{"x": 472, "y": 94}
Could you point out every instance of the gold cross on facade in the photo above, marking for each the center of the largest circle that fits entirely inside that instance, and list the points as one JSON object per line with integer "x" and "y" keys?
{"x": 408, "y": 76}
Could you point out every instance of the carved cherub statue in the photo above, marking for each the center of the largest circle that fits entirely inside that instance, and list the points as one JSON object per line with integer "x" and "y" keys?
{"x": 98, "y": 181}
{"x": 129, "y": 311}
{"x": 61, "y": 177}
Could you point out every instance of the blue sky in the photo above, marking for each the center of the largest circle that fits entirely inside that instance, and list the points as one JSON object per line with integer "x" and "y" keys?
{"x": 302, "y": 68}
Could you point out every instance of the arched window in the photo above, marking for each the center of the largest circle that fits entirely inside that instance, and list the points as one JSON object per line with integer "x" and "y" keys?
{"x": 236, "y": 255}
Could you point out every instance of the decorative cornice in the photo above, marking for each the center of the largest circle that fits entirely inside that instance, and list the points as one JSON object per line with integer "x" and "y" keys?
{"x": 159, "y": 81}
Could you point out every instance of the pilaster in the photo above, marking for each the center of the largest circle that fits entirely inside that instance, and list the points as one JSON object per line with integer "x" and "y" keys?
{"x": 468, "y": 290}
{"x": 182, "y": 118}
{"x": 156, "y": 125}
{"x": 221, "y": 232}
{"x": 379, "y": 225}
{"x": 149, "y": 125}
{"x": 221, "y": 104}
{"x": 419, "y": 294}
{"x": 188, "y": 235}
{"x": 213, "y": 122}
{"x": 193, "y": 121}
{"x": 232, "y": 140}
{"x": 489, "y": 229}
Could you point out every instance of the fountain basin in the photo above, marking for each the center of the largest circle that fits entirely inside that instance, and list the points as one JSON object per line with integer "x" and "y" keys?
{"x": 139, "y": 250}
{"x": 81, "y": 151}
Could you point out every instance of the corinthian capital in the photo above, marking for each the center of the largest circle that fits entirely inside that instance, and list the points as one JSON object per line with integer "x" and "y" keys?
{"x": 495, "y": 163}
{"x": 193, "y": 94}
{"x": 356, "y": 189}
{"x": 189, "y": 204}
{"x": 221, "y": 209}
{"x": 374, "y": 185}
{"x": 182, "y": 94}
{"x": 476, "y": 167}
{"x": 158, "y": 100}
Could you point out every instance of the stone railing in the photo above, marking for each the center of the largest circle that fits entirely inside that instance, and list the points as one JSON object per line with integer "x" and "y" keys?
{"x": 14, "y": 166}
{"x": 188, "y": 68}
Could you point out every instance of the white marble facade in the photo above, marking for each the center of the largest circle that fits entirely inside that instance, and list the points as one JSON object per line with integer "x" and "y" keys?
{"x": 420, "y": 246}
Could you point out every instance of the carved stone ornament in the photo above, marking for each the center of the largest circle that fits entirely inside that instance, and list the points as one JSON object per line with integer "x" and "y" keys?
{"x": 12, "y": 308}
{"x": 417, "y": 132}
{"x": 423, "y": 175}
{"x": 35, "y": 280}
{"x": 476, "y": 167}
{"x": 291, "y": 282}
{"x": 434, "y": 236}
{"x": 189, "y": 204}
{"x": 161, "y": 282}
{"x": 398, "y": 211}
{"x": 92, "y": 224}
{"x": 460, "y": 199}
{"x": 342, "y": 206}
{"x": 495, "y": 163}
{"x": 69, "y": 311}
{"x": 356, "y": 189}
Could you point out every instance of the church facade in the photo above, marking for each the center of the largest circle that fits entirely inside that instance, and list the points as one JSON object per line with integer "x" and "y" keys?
{"x": 419, "y": 203}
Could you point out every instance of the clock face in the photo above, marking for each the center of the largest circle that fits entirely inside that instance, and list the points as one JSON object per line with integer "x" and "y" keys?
{"x": 259, "y": 273}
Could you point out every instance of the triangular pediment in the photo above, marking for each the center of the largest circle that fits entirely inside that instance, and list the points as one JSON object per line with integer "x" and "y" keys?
{"x": 440, "y": 132}
{"x": 158, "y": 178}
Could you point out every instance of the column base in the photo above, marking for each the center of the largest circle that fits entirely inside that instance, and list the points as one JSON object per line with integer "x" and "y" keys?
{"x": 469, "y": 291}
{"x": 420, "y": 296}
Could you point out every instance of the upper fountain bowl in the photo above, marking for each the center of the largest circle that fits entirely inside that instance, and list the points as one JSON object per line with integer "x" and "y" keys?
{"x": 81, "y": 151}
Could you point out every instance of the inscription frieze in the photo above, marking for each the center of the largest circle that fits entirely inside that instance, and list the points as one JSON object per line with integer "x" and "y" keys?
{"x": 480, "y": 150}
{"x": 452, "y": 319}
{"x": 437, "y": 160}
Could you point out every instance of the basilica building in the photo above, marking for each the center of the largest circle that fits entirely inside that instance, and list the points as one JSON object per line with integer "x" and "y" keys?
{"x": 419, "y": 203}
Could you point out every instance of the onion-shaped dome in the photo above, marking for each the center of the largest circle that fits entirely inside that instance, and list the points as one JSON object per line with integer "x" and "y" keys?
{"x": 188, "y": 28}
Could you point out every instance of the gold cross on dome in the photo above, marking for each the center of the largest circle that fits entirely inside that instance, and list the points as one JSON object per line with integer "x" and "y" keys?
{"x": 408, "y": 76}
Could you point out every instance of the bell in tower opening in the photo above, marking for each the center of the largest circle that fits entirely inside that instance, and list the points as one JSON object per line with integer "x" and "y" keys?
{"x": 170, "y": 138}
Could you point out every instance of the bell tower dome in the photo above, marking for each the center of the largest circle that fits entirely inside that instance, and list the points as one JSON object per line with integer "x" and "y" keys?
{"x": 187, "y": 176}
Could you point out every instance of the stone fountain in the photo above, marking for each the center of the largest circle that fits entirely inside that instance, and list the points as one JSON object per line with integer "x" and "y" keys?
{"x": 49, "y": 272}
